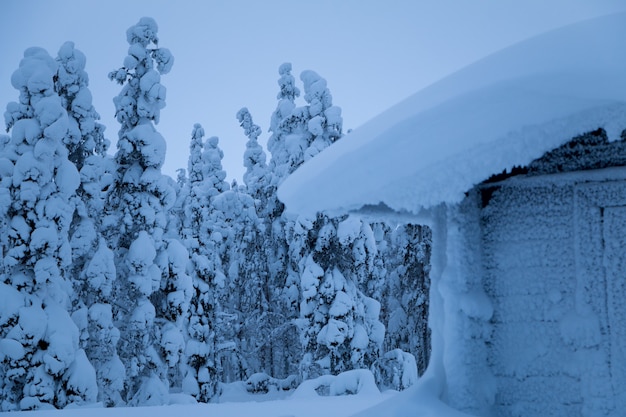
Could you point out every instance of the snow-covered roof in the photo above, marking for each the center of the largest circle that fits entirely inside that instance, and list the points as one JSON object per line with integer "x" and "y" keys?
{"x": 504, "y": 110}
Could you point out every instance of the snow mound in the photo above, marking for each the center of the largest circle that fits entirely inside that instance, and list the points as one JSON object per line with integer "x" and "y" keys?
{"x": 504, "y": 110}
{"x": 418, "y": 400}
{"x": 357, "y": 381}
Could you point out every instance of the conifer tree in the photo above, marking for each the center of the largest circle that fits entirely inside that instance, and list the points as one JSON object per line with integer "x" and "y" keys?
{"x": 212, "y": 170}
{"x": 177, "y": 213}
{"x": 42, "y": 365}
{"x": 152, "y": 288}
{"x": 285, "y": 301}
{"x": 324, "y": 120}
{"x": 306, "y": 130}
{"x": 277, "y": 143}
{"x": 269, "y": 330}
{"x": 256, "y": 175}
{"x": 235, "y": 219}
{"x": 405, "y": 297}
{"x": 340, "y": 325}
{"x": 193, "y": 203}
{"x": 86, "y": 135}
{"x": 204, "y": 242}
{"x": 298, "y": 133}
{"x": 93, "y": 267}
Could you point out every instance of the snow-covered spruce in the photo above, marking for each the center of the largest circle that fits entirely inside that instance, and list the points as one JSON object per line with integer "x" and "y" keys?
{"x": 42, "y": 365}
{"x": 85, "y": 135}
{"x": 304, "y": 131}
{"x": 256, "y": 176}
{"x": 93, "y": 265}
{"x": 206, "y": 181}
{"x": 404, "y": 295}
{"x": 324, "y": 120}
{"x": 277, "y": 142}
{"x": 340, "y": 326}
{"x": 244, "y": 298}
{"x": 152, "y": 289}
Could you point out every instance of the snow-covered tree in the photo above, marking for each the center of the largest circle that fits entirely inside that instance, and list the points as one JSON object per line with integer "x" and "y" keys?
{"x": 340, "y": 325}
{"x": 201, "y": 378}
{"x": 194, "y": 165}
{"x": 256, "y": 176}
{"x": 152, "y": 289}
{"x": 93, "y": 267}
{"x": 177, "y": 213}
{"x": 298, "y": 133}
{"x": 304, "y": 131}
{"x": 86, "y": 135}
{"x": 278, "y": 143}
{"x": 193, "y": 203}
{"x": 101, "y": 348}
{"x": 285, "y": 284}
{"x": 174, "y": 303}
{"x": 235, "y": 219}
{"x": 86, "y": 147}
{"x": 324, "y": 120}
{"x": 269, "y": 329}
{"x": 214, "y": 175}
{"x": 206, "y": 181}
{"x": 405, "y": 296}
{"x": 143, "y": 96}
{"x": 42, "y": 364}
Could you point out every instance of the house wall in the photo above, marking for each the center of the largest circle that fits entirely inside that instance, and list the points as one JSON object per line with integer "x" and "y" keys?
{"x": 467, "y": 311}
{"x": 552, "y": 349}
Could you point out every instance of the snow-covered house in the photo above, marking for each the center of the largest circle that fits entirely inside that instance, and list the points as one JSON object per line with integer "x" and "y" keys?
{"x": 528, "y": 268}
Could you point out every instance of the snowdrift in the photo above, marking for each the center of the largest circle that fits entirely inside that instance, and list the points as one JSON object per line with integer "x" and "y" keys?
{"x": 504, "y": 110}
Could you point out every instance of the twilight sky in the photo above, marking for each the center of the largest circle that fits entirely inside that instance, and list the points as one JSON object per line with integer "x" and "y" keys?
{"x": 227, "y": 53}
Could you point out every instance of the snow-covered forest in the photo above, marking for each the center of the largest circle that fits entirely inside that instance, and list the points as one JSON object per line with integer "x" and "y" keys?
{"x": 121, "y": 285}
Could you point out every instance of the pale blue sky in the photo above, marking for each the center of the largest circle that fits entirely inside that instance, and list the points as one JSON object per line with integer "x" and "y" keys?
{"x": 227, "y": 53}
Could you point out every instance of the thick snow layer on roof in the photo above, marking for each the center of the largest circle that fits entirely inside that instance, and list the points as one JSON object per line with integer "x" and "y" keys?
{"x": 504, "y": 110}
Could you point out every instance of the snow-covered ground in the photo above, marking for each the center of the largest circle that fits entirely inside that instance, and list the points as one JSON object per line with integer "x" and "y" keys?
{"x": 236, "y": 401}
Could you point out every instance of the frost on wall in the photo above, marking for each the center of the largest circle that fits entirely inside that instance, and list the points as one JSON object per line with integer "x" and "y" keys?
{"x": 553, "y": 265}
{"x": 467, "y": 313}
{"x": 530, "y": 276}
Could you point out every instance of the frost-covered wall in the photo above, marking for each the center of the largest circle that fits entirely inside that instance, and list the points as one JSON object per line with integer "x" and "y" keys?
{"x": 467, "y": 311}
{"x": 556, "y": 346}
{"x": 530, "y": 275}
